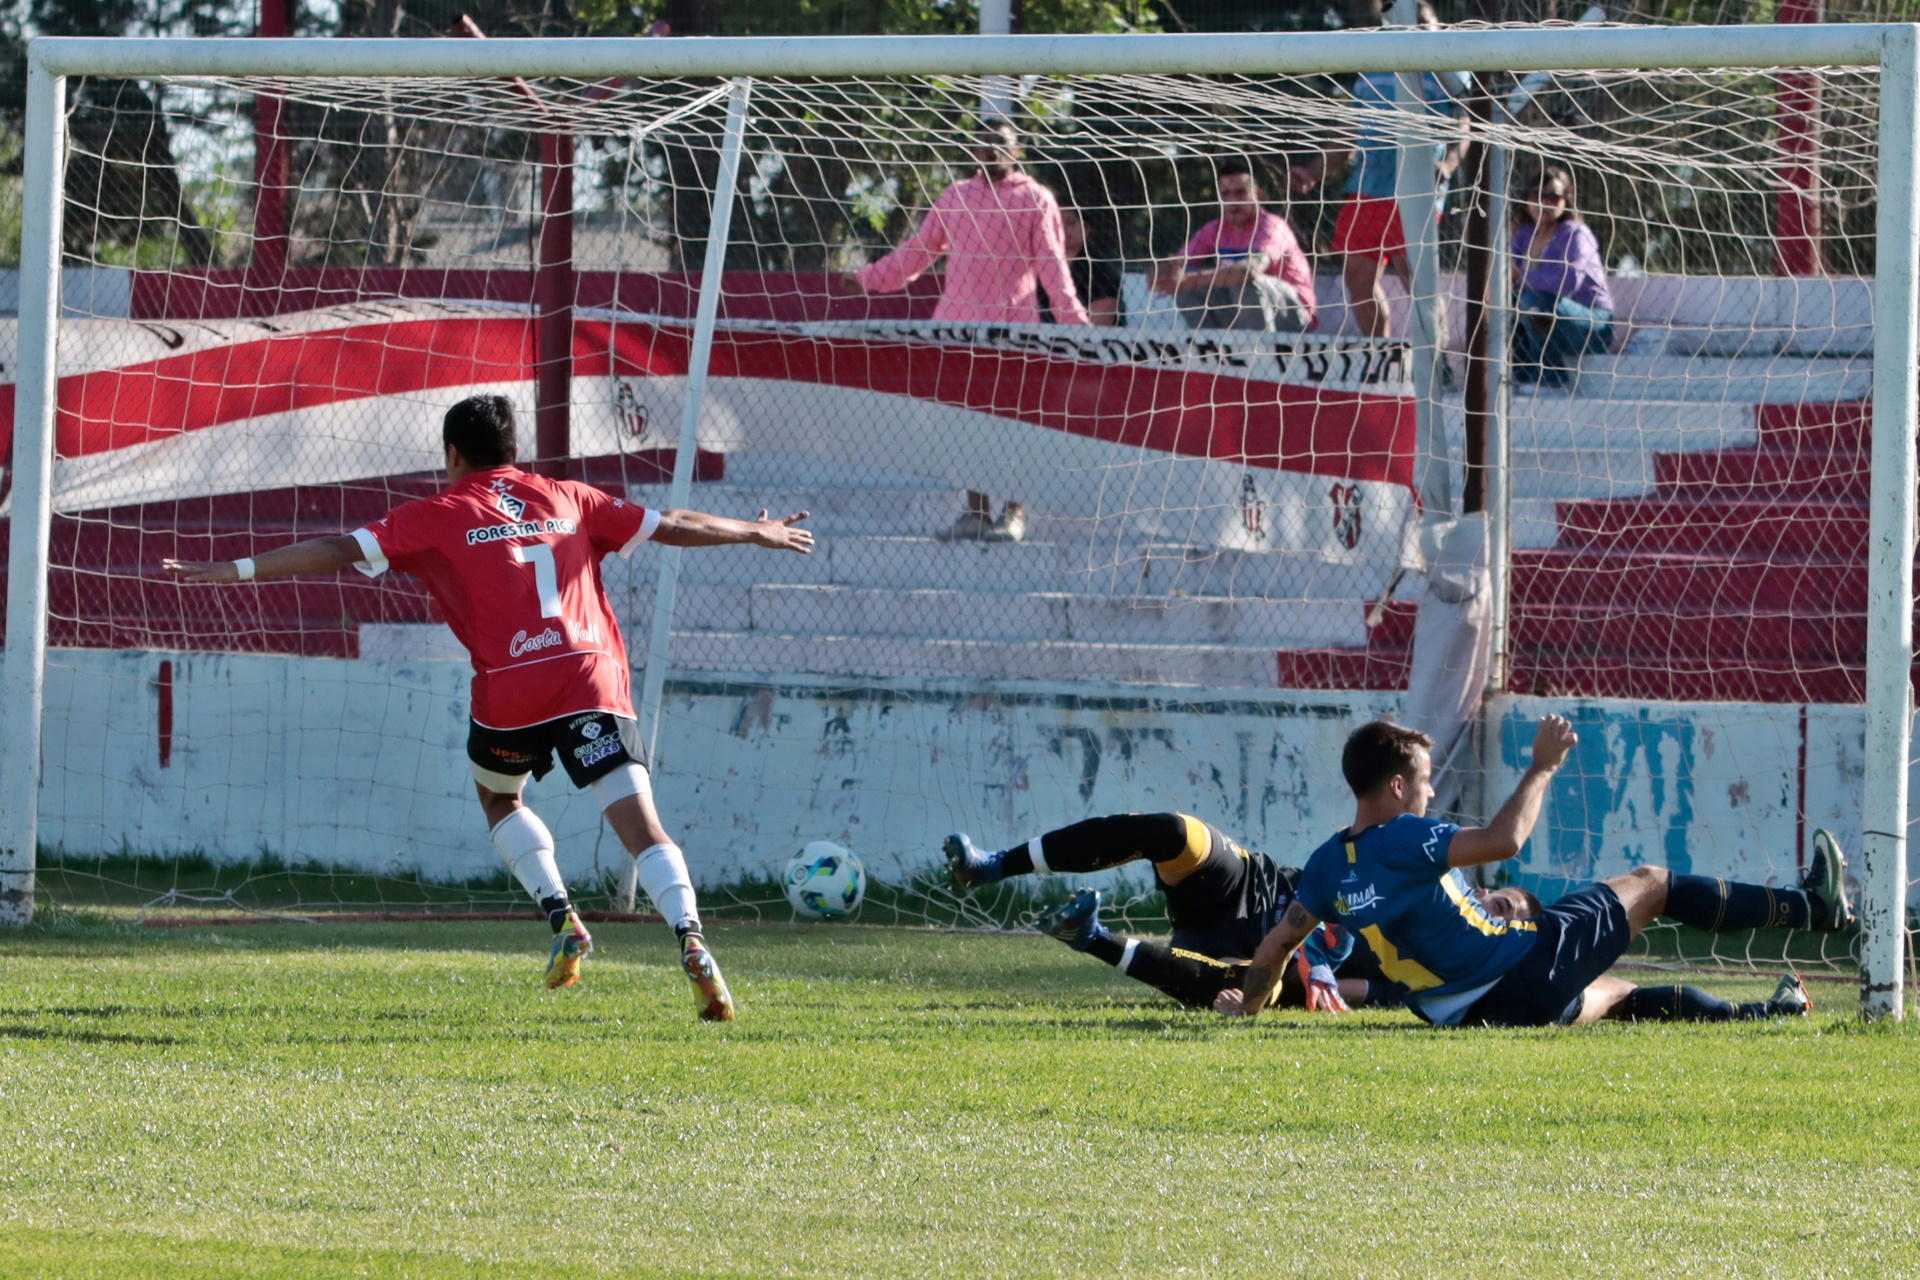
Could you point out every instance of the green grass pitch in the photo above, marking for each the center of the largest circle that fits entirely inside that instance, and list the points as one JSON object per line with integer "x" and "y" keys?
{"x": 387, "y": 1100}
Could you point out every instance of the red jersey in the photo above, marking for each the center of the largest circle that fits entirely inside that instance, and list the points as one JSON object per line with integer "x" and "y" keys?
{"x": 514, "y": 562}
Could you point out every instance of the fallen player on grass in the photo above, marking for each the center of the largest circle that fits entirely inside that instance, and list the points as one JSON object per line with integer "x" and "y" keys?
{"x": 1222, "y": 899}
{"x": 1394, "y": 877}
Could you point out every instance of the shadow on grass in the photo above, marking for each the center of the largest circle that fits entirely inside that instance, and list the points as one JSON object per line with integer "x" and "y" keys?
{"x": 15, "y": 1031}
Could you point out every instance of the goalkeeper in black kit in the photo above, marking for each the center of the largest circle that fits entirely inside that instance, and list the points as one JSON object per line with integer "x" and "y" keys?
{"x": 1221, "y": 899}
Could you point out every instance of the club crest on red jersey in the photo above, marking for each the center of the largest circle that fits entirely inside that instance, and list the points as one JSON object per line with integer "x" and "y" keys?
{"x": 503, "y": 498}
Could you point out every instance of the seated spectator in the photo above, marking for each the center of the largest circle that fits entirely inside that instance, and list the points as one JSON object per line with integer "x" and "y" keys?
{"x": 1096, "y": 280}
{"x": 1565, "y": 308}
{"x": 1243, "y": 270}
{"x": 1001, "y": 235}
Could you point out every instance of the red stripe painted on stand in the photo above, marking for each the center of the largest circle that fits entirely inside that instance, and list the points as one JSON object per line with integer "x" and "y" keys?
{"x": 1180, "y": 411}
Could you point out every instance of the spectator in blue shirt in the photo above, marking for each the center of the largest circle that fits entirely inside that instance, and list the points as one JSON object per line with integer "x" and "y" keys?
{"x": 1394, "y": 878}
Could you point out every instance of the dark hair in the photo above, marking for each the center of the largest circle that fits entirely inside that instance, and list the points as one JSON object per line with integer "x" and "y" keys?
{"x": 1377, "y": 751}
{"x": 1235, "y": 165}
{"x": 481, "y": 428}
{"x": 1559, "y": 180}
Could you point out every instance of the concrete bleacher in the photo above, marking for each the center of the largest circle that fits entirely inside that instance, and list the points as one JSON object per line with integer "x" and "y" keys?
{"x": 1665, "y": 547}
{"x": 1706, "y": 548}
{"x": 1688, "y": 521}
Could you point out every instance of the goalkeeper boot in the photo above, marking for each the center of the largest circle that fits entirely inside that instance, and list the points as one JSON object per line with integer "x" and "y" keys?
{"x": 1076, "y": 921}
{"x": 1790, "y": 999}
{"x": 709, "y": 988}
{"x": 1825, "y": 883}
{"x": 570, "y": 946}
{"x": 967, "y": 867}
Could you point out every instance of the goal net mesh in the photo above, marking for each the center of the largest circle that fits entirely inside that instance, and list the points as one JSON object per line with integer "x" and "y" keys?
{"x": 275, "y": 287}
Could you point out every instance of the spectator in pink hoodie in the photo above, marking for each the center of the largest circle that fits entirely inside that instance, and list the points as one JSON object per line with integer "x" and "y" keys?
{"x": 1001, "y": 234}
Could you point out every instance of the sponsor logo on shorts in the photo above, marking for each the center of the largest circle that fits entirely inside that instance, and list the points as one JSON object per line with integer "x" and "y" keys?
{"x": 521, "y": 529}
{"x": 593, "y": 753}
{"x": 591, "y": 730}
{"x": 524, "y": 643}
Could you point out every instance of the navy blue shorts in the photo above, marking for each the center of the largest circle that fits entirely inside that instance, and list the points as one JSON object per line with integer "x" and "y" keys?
{"x": 1579, "y": 938}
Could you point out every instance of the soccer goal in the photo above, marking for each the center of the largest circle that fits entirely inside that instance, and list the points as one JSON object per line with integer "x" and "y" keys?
{"x": 1165, "y": 406}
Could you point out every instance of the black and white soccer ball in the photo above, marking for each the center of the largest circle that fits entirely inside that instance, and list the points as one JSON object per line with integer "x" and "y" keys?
{"x": 825, "y": 881}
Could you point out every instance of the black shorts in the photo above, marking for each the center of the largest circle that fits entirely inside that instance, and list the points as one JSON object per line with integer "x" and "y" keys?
{"x": 1226, "y": 904}
{"x": 591, "y": 744}
{"x": 1579, "y": 938}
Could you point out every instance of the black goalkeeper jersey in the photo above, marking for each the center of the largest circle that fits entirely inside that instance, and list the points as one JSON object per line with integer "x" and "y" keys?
{"x": 1231, "y": 901}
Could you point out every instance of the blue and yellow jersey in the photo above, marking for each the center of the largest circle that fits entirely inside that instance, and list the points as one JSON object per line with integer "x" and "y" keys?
{"x": 1391, "y": 885}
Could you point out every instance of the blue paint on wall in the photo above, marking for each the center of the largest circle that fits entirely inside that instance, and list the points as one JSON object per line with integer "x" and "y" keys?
{"x": 1616, "y": 749}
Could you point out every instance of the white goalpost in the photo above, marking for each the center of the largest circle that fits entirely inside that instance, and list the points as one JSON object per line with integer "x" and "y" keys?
{"x": 1178, "y": 555}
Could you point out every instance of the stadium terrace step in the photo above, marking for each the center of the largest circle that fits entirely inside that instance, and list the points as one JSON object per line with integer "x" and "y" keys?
{"x": 1383, "y": 665}
{"x": 836, "y": 511}
{"x": 1835, "y": 475}
{"x": 1384, "y": 671}
{"x": 1052, "y": 617}
{"x": 1798, "y": 527}
{"x": 1682, "y": 678}
{"x": 1647, "y": 581}
{"x": 754, "y": 653}
{"x": 341, "y": 506}
{"x": 114, "y": 587}
{"x": 1815, "y": 424}
{"x": 1722, "y": 380}
{"x": 1729, "y": 634}
{"x": 265, "y": 634}
{"x": 882, "y": 657}
{"x": 91, "y": 543}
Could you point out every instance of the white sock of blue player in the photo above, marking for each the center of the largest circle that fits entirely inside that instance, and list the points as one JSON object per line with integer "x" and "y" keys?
{"x": 526, "y": 846}
{"x": 663, "y": 874}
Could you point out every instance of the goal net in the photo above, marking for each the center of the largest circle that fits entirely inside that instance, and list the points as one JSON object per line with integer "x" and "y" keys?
{"x": 1601, "y": 447}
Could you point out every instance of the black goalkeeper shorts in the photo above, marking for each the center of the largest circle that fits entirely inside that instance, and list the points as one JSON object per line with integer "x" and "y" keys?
{"x": 591, "y": 744}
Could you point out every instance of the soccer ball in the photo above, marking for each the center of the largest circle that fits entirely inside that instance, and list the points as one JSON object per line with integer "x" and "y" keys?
{"x": 825, "y": 881}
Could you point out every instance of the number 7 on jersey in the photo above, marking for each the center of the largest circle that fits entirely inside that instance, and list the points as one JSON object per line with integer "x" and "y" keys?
{"x": 546, "y": 579}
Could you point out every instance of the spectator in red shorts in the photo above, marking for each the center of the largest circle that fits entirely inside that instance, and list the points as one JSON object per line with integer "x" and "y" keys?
{"x": 1369, "y": 233}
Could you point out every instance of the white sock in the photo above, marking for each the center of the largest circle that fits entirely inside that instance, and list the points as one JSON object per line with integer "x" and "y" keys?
{"x": 1126, "y": 956}
{"x": 527, "y": 848}
{"x": 663, "y": 874}
{"x": 1038, "y": 855}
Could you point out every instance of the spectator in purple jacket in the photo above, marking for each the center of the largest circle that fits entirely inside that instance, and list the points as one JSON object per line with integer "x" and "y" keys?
{"x": 1565, "y": 307}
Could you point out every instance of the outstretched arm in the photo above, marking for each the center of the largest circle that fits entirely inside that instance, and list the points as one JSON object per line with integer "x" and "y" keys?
{"x": 1501, "y": 839}
{"x": 316, "y": 555}
{"x": 1269, "y": 962}
{"x": 698, "y": 529}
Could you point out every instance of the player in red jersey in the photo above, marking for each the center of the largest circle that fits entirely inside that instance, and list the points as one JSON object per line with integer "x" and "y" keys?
{"x": 513, "y": 560}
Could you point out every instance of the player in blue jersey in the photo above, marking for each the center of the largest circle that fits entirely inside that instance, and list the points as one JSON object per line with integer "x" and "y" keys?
{"x": 1394, "y": 877}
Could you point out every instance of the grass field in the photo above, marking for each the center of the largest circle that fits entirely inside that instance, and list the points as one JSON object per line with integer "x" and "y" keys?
{"x": 384, "y": 1100}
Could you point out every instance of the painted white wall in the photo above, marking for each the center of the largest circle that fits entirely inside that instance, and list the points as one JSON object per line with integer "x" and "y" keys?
{"x": 362, "y": 764}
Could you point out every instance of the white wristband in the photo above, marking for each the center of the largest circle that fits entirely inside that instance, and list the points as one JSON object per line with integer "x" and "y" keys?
{"x": 244, "y": 567}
